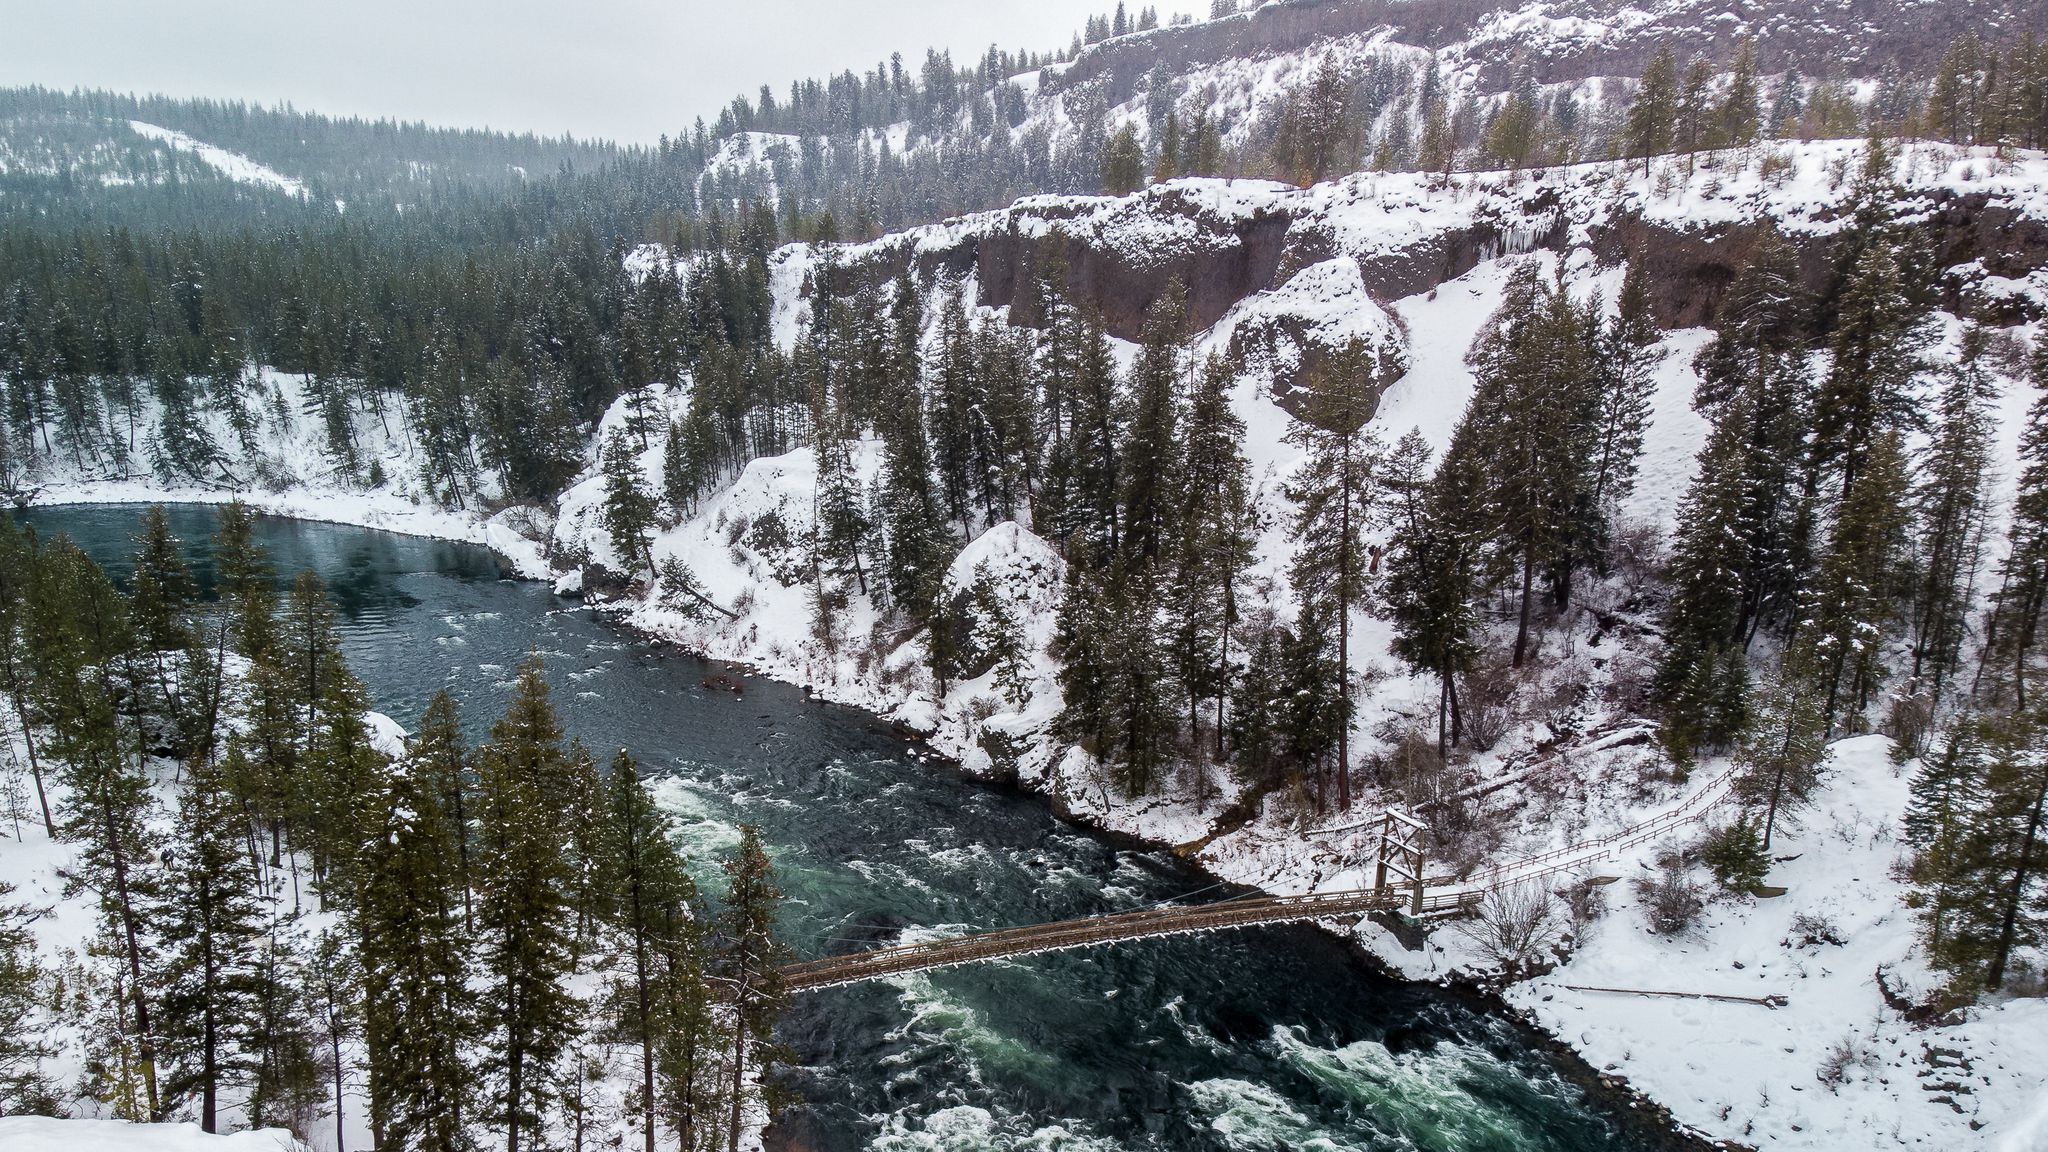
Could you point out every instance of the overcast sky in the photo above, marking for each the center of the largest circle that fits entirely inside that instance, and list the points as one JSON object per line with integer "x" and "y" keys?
{"x": 626, "y": 69}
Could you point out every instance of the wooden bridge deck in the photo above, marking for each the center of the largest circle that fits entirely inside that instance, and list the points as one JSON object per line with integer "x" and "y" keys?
{"x": 1108, "y": 929}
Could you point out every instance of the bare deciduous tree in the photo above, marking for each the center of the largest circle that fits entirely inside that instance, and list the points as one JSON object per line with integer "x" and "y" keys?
{"x": 1516, "y": 926}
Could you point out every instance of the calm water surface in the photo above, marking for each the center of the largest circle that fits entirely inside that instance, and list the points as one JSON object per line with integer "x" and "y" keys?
{"x": 1272, "y": 1038}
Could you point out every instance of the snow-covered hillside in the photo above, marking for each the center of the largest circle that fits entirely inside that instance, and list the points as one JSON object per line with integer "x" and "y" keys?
{"x": 283, "y": 468}
{"x": 1572, "y": 772}
{"x": 232, "y": 165}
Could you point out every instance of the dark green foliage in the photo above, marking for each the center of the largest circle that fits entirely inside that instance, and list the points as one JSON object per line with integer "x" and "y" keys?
{"x": 648, "y": 897}
{"x": 1778, "y": 761}
{"x": 1979, "y": 824}
{"x": 1432, "y": 573}
{"x": 1876, "y": 350}
{"x": 628, "y": 505}
{"x": 1334, "y": 492}
{"x": 1736, "y": 855}
{"x": 418, "y": 1010}
{"x": 524, "y": 918}
{"x": 2022, "y": 593}
{"x": 214, "y": 923}
{"x": 1123, "y": 163}
{"x": 23, "y": 1087}
{"x": 748, "y": 960}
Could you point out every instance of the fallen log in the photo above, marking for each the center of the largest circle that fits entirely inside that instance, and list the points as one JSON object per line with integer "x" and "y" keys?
{"x": 1771, "y": 1001}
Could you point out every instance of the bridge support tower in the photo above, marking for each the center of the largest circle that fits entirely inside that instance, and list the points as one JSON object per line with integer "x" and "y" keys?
{"x": 1402, "y": 851}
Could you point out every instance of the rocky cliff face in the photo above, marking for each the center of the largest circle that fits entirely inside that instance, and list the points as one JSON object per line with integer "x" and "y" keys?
{"x": 1560, "y": 41}
{"x": 1282, "y": 273}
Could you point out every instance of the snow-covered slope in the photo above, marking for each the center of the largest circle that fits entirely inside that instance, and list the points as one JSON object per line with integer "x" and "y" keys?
{"x": 284, "y": 468}
{"x": 232, "y": 165}
{"x": 41, "y": 1134}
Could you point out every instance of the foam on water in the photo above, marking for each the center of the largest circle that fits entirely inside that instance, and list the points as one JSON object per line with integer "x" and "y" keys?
{"x": 967, "y": 1128}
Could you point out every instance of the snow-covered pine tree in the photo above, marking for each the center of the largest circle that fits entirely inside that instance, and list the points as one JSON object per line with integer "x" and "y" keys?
{"x": 527, "y": 926}
{"x": 1213, "y": 542}
{"x": 647, "y": 893}
{"x": 1852, "y": 606}
{"x": 1628, "y": 357}
{"x": 2014, "y": 625}
{"x": 437, "y": 756}
{"x": 1950, "y": 503}
{"x": 956, "y": 396}
{"x": 841, "y": 505}
{"x": 748, "y": 960}
{"x": 1778, "y": 760}
{"x": 1334, "y": 492}
{"x": 1652, "y": 115}
{"x": 418, "y": 1009}
{"x": 78, "y": 635}
{"x": 1433, "y": 573}
{"x": 1879, "y": 337}
{"x": 212, "y": 922}
{"x": 1149, "y": 456}
{"x": 629, "y": 508}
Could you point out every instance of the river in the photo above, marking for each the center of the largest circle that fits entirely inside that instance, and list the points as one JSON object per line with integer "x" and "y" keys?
{"x": 1268, "y": 1038}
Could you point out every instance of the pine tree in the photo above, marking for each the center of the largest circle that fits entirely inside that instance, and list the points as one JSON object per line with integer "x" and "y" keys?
{"x": 78, "y": 635}
{"x": 1940, "y": 825}
{"x": 1323, "y": 126}
{"x": 527, "y": 925}
{"x": 308, "y": 654}
{"x": 1527, "y": 438}
{"x": 749, "y": 963}
{"x": 418, "y": 1010}
{"x": 1852, "y": 606}
{"x": 1433, "y": 575}
{"x": 1080, "y": 643}
{"x": 2023, "y": 583}
{"x": 1214, "y": 540}
{"x": 1094, "y": 437}
{"x": 23, "y": 1046}
{"x": 1652, "y": 116}
{"x": 1876, "y": 351}
{"x": 161, "y": 590}
{"x": 1778, "y": 760}
{"x": 842, "y": 507}
{"x": 1123, "y": 162}
{"x": 1980, "y": 822}
{"x": 213, "y": 924}
{"x": 649, "y": 894}
{"x": 1737, "y": 119}
{"x": 1148, "y": 457}
{"x": 1628, "y": 348}
{"x": 344, "y": 776}
{"x": 2017, "y": 811}
{"x": 438, "y": 757}
{"x": 1702, "y": 677}
{"x": 244, "y": 573}
{"x": 955, "y": 398}
{"x": 1334, "y": 491}
{"x": 629, "y": 507}
{"x": 285, "y": 1088}
{"x": 1949, "y": 504}
{"x": 17, "y": 582}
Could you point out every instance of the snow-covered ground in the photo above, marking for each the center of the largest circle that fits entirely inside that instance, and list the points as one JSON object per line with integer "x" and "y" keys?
{"x": 41, "y": 1134}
